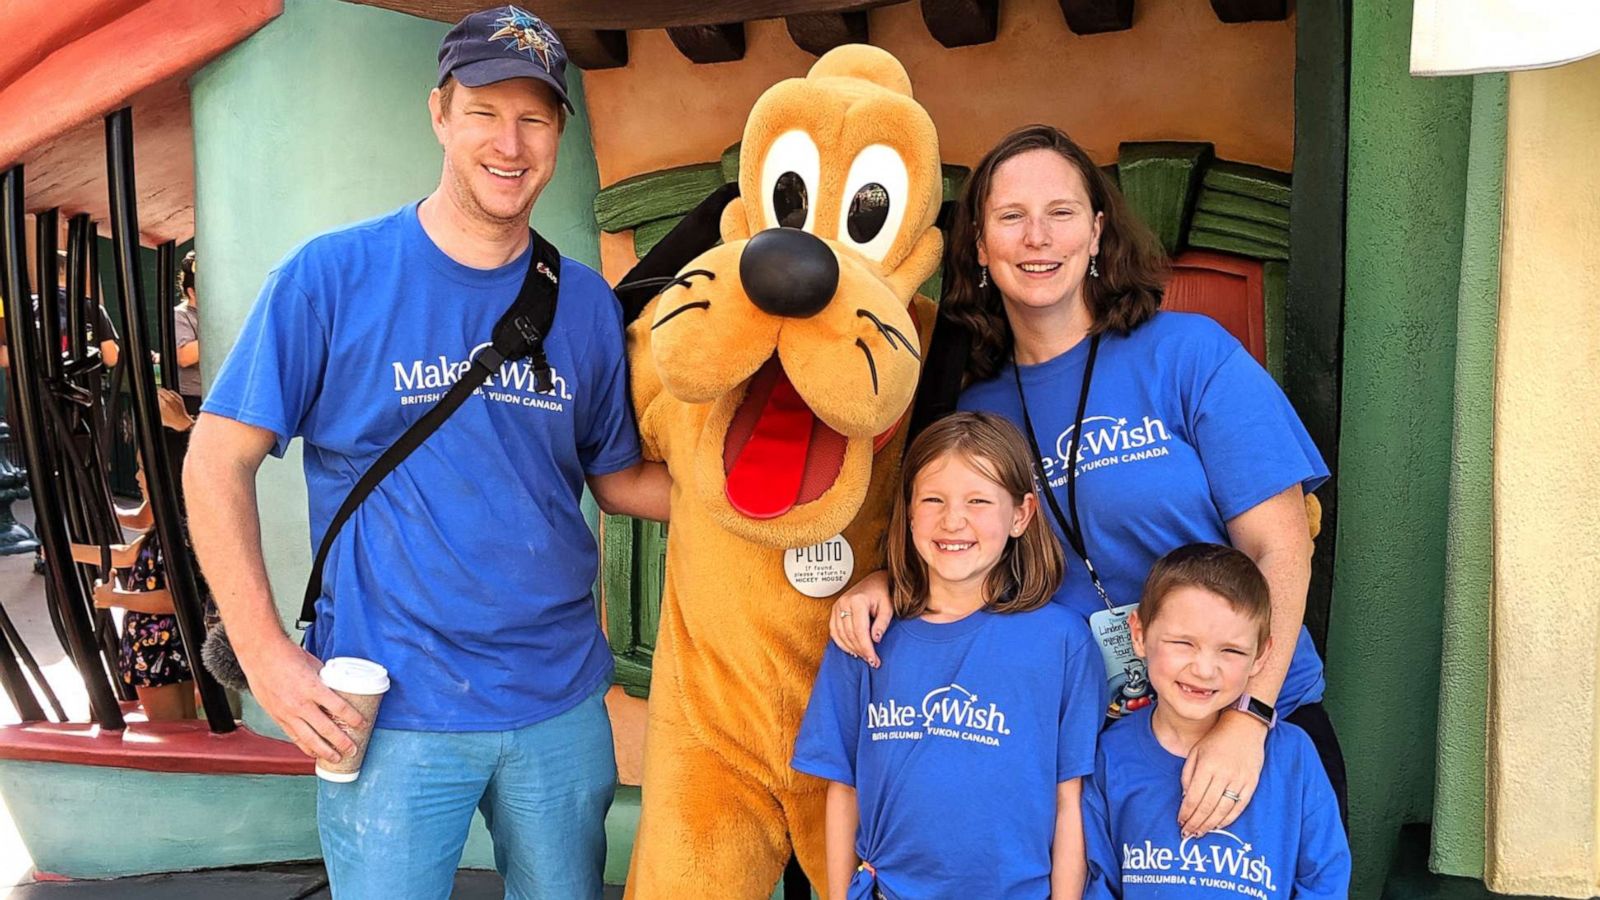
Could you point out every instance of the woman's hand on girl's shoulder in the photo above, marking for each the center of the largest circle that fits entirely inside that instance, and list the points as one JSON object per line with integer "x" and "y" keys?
{"x": 1224, "y": 765}
{"x": 860, "y": 617}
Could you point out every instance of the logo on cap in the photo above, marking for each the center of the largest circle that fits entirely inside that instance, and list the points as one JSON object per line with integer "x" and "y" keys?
{"x": 527, "y": 33}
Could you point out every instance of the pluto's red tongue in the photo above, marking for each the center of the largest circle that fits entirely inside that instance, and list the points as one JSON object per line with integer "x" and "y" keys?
{"x": 764, "y": 477}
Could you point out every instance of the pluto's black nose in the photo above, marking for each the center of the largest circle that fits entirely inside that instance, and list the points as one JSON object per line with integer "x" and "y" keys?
{"x": 788, "y": 272}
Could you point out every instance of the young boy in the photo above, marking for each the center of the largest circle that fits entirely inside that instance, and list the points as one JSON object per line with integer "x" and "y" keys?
{"x": 1203, "y": 628}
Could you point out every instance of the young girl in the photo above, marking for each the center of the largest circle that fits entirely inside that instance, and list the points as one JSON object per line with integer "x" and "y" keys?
{"x": 955, "y": 767}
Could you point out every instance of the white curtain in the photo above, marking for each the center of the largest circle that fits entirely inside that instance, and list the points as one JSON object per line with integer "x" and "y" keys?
{"x": 1463, "y": 37}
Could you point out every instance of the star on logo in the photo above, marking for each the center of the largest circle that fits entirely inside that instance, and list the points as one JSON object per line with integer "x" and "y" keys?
{"x": 527, "y": 33}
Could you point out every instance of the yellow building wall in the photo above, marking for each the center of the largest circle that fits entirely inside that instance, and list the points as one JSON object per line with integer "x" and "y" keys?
{"x": 1544, "y": 731}
{"x": 1178, "y": 74}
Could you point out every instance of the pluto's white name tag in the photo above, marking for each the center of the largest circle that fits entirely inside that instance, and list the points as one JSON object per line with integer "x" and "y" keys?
{"x": 820, "y": 570}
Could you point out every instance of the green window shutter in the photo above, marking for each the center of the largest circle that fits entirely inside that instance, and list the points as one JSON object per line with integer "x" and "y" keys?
{"x": 634, "y": 569}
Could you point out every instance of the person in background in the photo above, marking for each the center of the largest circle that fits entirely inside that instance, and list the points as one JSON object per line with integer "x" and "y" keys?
{"x": 186, "y": 329}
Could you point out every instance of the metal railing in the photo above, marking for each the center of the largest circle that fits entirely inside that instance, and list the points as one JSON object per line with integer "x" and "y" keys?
{"x": 65, "y": 421}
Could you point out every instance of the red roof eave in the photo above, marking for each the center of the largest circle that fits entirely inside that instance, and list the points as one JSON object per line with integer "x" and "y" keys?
{"x": 77, "y": 60}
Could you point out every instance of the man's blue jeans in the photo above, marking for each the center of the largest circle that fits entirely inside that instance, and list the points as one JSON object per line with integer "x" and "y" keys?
{"x": 398, "y": 830}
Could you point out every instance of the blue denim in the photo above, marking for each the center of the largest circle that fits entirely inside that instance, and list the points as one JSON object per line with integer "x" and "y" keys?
{"x": 398, "y": 830}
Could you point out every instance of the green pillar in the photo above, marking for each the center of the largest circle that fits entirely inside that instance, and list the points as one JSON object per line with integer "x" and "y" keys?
{"x": 1408, "y": 145}
{"x": 1459, "y": 807}
{"x": 317, "y": 120}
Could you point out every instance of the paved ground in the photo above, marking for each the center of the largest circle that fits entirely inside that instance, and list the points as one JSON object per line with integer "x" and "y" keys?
{"x": 270, "y": 883}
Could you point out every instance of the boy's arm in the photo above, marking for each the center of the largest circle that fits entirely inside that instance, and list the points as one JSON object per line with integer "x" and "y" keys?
{"x": 1104, "y": 879}
{"x": 1068, "y": 867}
{"x": 840, "y": 822}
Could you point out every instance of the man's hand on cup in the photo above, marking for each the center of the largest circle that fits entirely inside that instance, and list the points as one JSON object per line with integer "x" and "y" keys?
{"x": 860, "y": 617}
{"x": 286, "y": 681}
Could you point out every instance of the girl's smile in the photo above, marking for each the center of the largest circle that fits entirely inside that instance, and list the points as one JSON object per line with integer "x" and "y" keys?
{"x": 962, "y": 520}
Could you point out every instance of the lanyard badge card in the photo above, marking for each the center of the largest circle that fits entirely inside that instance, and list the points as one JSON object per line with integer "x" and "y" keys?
{"x": 1127, "y": 682}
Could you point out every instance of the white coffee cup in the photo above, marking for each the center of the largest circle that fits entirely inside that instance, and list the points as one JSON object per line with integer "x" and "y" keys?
{"x": 362, "y": 683}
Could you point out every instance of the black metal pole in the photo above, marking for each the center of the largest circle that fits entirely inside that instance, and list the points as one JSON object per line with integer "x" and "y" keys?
{"x": 76, "y": 295}
{"x": 16, "y": 687}
{"x": 64, "y": 437}
{"x": 160, "y": 485}
{"x": 32, "y": 665}
{"x": 166, "y": 329}
{"x": 29, "y": 424}
{"x": 48, "y": 269}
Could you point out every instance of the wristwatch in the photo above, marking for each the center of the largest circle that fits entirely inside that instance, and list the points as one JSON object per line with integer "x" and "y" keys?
{"x": 1257, "y": 709}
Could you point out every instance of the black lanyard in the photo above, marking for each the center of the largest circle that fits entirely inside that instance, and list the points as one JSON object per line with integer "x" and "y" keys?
{"x": 1073, "y": 530}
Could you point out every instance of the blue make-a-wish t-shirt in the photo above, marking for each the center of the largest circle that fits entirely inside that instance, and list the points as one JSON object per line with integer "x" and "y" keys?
{"x": 955, "y": 747}
{"x": 467, "y": 572}
{"x": 1288, "y": 843}
{"x": 1183, "y": 431}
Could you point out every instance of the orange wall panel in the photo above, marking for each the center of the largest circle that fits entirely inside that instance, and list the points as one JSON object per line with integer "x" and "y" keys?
{"x": 95, "y": 63}
{"x": 1178, "y": 74}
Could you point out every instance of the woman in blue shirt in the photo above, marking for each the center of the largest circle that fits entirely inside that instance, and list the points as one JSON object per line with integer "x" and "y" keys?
{"x": 1153, "y": 430}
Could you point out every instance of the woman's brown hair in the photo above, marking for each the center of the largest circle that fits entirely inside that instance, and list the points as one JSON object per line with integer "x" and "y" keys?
{"x": 1029, "y": 571}
{"x": 1132, "y": 265}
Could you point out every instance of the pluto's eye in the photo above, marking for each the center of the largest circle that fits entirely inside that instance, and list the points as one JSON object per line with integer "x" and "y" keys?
{"x": 789, "y": 201}
{"x": 874, "y": 204}
{"x": 869, "y": 208}
{"x": 790, "y": 175}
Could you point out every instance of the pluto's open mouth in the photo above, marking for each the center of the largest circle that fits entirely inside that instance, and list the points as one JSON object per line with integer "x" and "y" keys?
{"x": 777, "y": 453}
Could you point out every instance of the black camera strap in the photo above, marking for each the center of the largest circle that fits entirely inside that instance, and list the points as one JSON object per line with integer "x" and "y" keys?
{"x": 519, "y": 334}
{"x": 1073, "y": 529}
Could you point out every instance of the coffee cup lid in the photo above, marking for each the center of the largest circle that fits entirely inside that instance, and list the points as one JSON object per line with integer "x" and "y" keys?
{"x": 357, "y": 676}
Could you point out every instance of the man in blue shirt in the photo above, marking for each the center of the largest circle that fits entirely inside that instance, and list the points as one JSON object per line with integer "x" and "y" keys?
{"x": 467, "y": 572}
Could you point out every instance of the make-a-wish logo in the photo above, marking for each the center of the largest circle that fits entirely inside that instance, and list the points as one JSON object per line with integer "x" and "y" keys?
{"x": 1227, "y": 863}
{"x": 951, "y": 711}
{"x": 516, "y": 382}
{"x": 1107, "y": 441}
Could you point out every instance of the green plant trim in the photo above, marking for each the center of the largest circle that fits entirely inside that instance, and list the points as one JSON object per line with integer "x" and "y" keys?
{"x": 655, "y": 195}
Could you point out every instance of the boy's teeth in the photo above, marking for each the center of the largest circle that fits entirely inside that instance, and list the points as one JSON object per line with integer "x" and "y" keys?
{"x": 506, "y": 173}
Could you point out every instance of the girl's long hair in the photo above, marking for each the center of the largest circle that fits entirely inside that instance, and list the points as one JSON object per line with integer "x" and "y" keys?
{"x": 1029, "y": 570}
{"x": 1132, "y": 265}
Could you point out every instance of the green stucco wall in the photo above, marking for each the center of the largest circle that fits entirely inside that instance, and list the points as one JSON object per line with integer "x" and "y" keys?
{"x": 1459, "y": 803}
{"x": 1407, "y": 176}
{"x": 75, "y": 819}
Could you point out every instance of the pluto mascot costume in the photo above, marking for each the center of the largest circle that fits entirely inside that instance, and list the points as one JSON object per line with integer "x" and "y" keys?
{"x": 774, "y": 377}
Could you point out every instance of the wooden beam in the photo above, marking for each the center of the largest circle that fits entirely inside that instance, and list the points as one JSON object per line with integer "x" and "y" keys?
{"x": 637, "y": 14}
{"x": 961, "y": 23}
{"x": 591, "y": 49}
{"x": 709, "y": 43}
{"x": 1235, "y": 11}
{"x": 1097, "y": 16}
{"x": 817, "y": 33}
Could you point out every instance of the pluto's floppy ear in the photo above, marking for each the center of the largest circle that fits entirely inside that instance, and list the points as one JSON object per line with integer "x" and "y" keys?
{"x": 866, "y": 62}
{"x": 694, "y": 235}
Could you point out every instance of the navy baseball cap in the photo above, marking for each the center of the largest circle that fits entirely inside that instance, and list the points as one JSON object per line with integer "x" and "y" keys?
{"x": 504, "y": 42}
